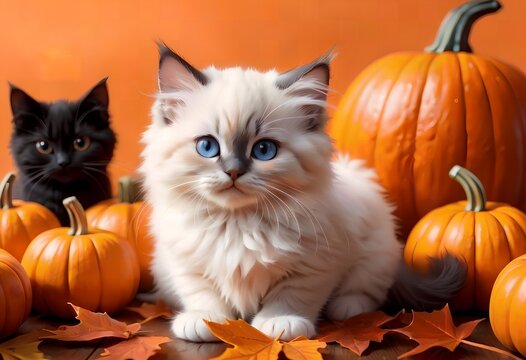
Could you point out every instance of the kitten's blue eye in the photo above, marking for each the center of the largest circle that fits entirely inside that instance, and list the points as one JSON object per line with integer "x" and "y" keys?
{"x": 44, "y": 147}
{"x": 265, "y": 150}
{"x": 207, "y": 147}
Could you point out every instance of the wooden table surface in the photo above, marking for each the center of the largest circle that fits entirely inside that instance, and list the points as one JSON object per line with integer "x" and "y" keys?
{"x": 392, "y": 346}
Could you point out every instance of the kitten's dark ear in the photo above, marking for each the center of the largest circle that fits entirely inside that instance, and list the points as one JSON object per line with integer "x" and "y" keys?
{"x": 27, "y": 112}
{"x": 310, "y": 83}
{"x": 97, "y": 95}
{"x": 315, "y": 73}
{"x": 93, "y": 106}
{"x": 22, "y": 103}
{"x": 175, "y": 74}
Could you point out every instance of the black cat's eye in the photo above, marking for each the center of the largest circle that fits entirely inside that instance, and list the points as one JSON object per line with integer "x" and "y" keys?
{"x": 207, "y": 146}
{"x": 44, "y": 147}
{"x": 265, "y": 150}
{"x": 81, "y": 143}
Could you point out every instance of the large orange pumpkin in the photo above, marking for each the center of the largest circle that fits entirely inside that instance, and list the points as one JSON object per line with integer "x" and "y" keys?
{"x": 94, "y": 269}
{"x": 127, "y": 218}
{"x": 507, "y": 307}
{"x": 487, "y": 235}
{"x": 21, "y": 221}
{"x": 15, "y": 294}
{"x": 413, "y": 115}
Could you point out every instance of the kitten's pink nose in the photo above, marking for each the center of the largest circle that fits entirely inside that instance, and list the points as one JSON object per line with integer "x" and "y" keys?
{"x": 234, "y": 174}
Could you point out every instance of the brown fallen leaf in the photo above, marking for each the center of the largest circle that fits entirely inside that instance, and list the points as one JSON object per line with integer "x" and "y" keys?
{"x": 302, "y": 348}
{"x": 137, "y": 348}
{"x": 250, "y": 343}
{"x": 23, "y": 347}
{"x": 93, "y": 326}
{"x": 437, "y": 329}
{"x": 152, "y": 311}
{"x": 356, "y": 333}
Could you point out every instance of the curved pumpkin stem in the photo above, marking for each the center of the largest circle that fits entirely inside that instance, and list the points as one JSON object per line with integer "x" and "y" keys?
{"x": 475, "y": 194}
{"x": 454, "y": 31}
{"x": 6, "y": 191}
{"x": 77, "y": 216}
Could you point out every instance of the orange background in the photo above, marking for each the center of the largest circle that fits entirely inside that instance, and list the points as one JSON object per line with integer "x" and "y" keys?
{"x": 60, "y": 48}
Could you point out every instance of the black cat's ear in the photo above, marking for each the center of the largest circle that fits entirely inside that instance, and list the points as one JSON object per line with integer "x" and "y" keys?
{"x": 93, "y": 106}
{"x": 22, "y": 103}
{"x": 97, "y": 95}
{"x": 27, "y": 112}
{"x": 175, "y": 74}
{"x": 315, "y": 73}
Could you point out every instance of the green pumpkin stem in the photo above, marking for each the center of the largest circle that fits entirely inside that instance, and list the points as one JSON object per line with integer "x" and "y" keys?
{"x": 454, "y": 31}
{"x": 475, "y": 194}
{"x": 125, "y": 189}
{"x": 77, "y": 216}
{"x": 6, "y": 191}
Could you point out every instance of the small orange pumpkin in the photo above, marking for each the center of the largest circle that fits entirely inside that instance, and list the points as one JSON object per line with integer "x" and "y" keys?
{"x": 507, "y": 306}
{"x": 21, "y": 221}
{"x": 128, "y": 219}
{"x": 487, "y": 235}
{"x": 94, "y": 269}
{"x": 413, "y": 115}
{"x": 15, "y": 294}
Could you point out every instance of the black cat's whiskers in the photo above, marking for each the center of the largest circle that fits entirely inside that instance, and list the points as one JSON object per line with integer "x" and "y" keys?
{"x": 94, "y": 169}
{"x": 39, "y": 177}
{"x": 86, "y": 171}
{"x": 33, "y": 133}
{"x": 86, "y": 113}
{"x": 31, "y": 115}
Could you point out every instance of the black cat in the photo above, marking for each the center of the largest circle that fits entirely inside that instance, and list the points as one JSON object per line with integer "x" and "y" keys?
{"x": 63, "y": 148}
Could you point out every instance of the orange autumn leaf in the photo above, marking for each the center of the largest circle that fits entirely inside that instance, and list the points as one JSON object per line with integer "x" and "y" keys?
{"x": 356, "y": 333}
{"x": 302, "y": 348}
{"x": 437, "y": 329}
{"x": 250, "y": 343}
{"x": 93, "y": 326}
{"x": 152, "y": 311}
{"x": 23, "y": 347}
{"x": 139, "y": 347}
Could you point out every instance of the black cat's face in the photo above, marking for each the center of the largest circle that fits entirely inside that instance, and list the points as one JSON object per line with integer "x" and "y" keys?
{"x": 62, "y": 141}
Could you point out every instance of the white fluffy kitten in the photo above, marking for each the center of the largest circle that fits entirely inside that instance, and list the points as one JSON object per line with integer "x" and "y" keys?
{"x": 251, "y": 217}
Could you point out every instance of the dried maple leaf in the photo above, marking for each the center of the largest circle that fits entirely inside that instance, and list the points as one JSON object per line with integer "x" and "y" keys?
{"x": 356, "y": 333}
{"x": 23, "y": 347}
{"x": 139, "y": 347}
{"x": 437, "y": 329}
{"x": 248, "y": 342}
{"x": 93, "y": 326}
{"x": 152, "y": 311}
{"x": 302, "y": 348}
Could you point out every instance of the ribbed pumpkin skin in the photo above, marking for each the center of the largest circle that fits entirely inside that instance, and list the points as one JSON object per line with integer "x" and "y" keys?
{"x": 486, "y": 240}
{"x": 15, "y": 294}
{"x": 507, "y": 309}
{"x": 412, "y": 116}
{"x": 129, "y": 221}
{"x": 21, "y": 223}
{"x": 97, "y": 271}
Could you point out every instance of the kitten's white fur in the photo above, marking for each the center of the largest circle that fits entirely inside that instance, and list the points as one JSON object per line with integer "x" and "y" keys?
{"x": 301, "y": 232}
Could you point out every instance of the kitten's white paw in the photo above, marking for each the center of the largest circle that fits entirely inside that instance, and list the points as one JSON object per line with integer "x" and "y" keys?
{"x": 344, "y": 307}
{"x": 190, "y": 326}
{"x": 288, "y": 326}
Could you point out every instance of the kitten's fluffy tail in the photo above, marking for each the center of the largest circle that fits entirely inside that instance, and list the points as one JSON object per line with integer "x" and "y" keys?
{"x": 426, "y": 292}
